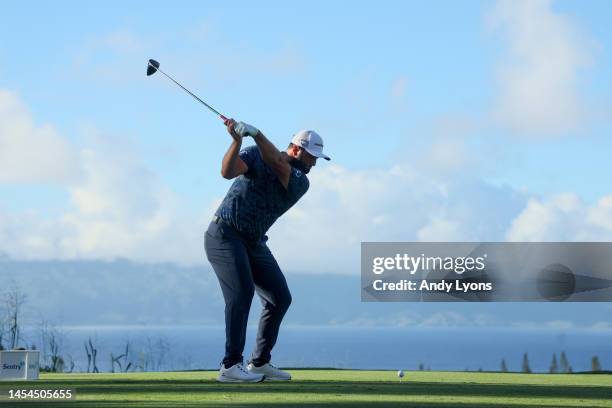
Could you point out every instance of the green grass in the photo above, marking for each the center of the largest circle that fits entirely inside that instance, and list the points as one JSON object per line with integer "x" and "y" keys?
{"x": 343, "y": 388}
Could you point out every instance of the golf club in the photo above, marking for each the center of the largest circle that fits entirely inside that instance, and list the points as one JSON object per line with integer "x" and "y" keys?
{"x": 153, "y": 67}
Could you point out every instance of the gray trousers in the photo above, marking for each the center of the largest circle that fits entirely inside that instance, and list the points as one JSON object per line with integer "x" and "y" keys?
{"x": 242, "y": 268}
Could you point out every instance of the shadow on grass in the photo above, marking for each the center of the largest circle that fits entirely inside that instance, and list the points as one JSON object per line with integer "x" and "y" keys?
{"x": 585, "y": 392}
{"x": 337, "y": 403}
{"x": 129, "y": 393}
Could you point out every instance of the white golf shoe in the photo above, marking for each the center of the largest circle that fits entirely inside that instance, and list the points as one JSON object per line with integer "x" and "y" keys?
{"x": 237, "y": 374}
{"x": 270, "y": 372}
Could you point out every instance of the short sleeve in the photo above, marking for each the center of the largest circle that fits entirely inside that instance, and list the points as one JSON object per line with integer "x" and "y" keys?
{"x": 298, "y": 183}
{"x": 249, "y": 156}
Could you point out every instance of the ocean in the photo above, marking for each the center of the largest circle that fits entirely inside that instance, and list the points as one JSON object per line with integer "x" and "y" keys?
{"x": 169, "y": 348}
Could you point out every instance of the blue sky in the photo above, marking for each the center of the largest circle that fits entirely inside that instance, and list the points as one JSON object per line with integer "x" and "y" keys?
{"x": 471, "y": 120}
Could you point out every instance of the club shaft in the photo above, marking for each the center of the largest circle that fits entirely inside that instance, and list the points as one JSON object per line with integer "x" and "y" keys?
{"x": 189, "y": 92}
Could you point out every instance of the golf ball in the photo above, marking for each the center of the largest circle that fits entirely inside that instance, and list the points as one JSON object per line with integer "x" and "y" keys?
{"x": 400, "y": 373}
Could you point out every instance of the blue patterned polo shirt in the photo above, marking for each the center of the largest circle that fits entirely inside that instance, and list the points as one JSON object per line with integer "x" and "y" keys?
{"x": 257, "y": 198}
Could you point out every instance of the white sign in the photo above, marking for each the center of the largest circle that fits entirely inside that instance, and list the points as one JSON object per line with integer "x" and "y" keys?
{"x": 19, "y": 365}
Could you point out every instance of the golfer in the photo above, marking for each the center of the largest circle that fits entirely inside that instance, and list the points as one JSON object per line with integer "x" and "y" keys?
{"x": 268, "y": 182}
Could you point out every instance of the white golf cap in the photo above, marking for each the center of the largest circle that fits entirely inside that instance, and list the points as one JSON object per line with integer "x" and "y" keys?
{"x": 310, "y": 141}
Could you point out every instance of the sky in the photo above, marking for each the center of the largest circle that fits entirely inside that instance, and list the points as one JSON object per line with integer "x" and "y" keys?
{"x": 445, "y": 121}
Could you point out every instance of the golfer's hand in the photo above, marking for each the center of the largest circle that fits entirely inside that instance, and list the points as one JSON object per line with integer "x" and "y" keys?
{"x": 231, "y": 124}
{"x": 245, "y": 130}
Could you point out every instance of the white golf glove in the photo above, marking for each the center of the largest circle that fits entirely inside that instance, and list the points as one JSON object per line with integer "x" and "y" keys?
{"x": 244, "y": 130}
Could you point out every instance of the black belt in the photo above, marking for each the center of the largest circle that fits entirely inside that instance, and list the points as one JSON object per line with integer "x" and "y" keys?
{"x": 218, "y": 220}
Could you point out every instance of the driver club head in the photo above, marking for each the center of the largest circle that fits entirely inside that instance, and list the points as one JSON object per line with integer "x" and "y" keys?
{"x": 152, "y": 67}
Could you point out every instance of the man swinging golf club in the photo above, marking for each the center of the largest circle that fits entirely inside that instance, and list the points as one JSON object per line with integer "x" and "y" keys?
{"x": 268, "y": 182}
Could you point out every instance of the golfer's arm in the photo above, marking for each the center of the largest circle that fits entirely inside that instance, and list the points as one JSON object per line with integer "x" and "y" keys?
{"x": 273, "y": 158}
{"x": 232, "y": 165}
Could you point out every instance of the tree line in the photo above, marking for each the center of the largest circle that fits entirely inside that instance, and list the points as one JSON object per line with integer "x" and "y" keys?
{"x": 155, "y": 351}
{"x": 151, "y": 357}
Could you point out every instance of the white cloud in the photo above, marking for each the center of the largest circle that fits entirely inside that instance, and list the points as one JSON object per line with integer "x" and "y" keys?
{"x": 29, "y": 152}
{"x": 119, "y": 208}
{"x": 26, "y": 235}
{"x": 123, "y": 209}
{"x": 439, "y": 229}
{"x": 539, "y": 75}
{"x": 563, "y": 217}
{"x": 545, "y": 221}
{"x": 345, "y": 207}
{"x": 446, "y": 155}
{"x": 601, "y": 213}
